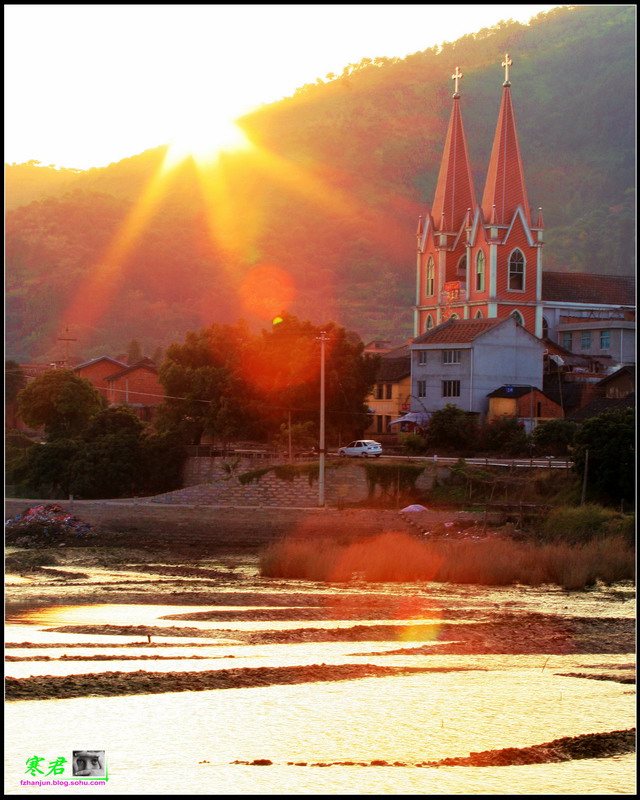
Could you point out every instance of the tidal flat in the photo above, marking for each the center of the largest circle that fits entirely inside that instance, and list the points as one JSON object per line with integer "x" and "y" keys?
{"x": 198, "y": 675}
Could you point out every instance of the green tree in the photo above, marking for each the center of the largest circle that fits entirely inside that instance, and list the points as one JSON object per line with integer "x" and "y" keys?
{"x": 60, "y": 401}
{"x": 610, "y": 440}
{"x": 554, "y": 437}
{"x": 451, "y": 428}
{"x": 14, "y": 380}
{"x": 45, "y": 469}
{"x": 504, "y": 435}
{"x": 291, "y": 384}
{"x": 134, "y": 352}
{"x": 208, "y": 388}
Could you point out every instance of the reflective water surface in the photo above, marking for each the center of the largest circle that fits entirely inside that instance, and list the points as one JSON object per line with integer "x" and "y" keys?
{"x": 185, "y": 742}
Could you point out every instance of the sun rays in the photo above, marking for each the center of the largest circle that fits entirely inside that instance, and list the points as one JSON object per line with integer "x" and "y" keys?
{"x": 230, "y": 170}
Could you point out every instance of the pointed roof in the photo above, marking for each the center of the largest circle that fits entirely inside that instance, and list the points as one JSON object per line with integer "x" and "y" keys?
{"x": 505, "y": 186}
{"x": 454, "y": 190}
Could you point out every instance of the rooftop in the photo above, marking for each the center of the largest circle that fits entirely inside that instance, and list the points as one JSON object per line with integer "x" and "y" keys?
{"x": 582, "y": 287}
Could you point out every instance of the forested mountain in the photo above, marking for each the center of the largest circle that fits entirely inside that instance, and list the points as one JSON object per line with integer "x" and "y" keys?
{"x": 319, "y": 217}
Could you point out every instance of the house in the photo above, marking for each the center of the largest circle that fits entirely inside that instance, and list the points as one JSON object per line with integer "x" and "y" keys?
{"x": 96, "y": 371}
{"x": 591, "y": 314}
{"x": 616, "y": 391}
{"x": 391, "y": 395}
{"x": 484, "y": 260}
{"x": 462, "y": 361}
{"x": 526, "y": 403}
{"x": 136, "y": 386}
{"x": 621, "y": 384}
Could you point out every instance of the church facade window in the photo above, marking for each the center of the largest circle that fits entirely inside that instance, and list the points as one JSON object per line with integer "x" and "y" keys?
{"x": 462, "y": 266}
{"x": 516, "y": 271}
{"x": 480, "y": 271}
{"x": 429, "y": 288}
{"x": 429, "y": 323}
{"x": 518, "y": 317}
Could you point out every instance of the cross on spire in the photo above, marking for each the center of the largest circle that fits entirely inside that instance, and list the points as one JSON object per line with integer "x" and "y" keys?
{"x": 506, "y": 64}
{"x": 456, "y": 77}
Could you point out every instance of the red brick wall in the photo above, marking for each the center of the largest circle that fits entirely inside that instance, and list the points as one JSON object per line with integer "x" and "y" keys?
{"x": 97, "y": 372}
{"x": 140, "y": 386}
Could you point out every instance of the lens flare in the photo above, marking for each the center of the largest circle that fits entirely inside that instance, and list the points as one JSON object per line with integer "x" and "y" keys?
{"x": 265, "y": 288}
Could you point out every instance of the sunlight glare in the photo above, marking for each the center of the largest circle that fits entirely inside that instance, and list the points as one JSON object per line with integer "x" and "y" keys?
{"x": 204, "y": 138}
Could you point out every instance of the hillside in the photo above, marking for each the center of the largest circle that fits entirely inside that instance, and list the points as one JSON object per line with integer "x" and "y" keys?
{"x": 329, "y": 195}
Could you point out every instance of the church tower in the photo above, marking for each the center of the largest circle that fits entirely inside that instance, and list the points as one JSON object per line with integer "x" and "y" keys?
{"x": 490, "y": 265}
{"x": 442, "y": 262}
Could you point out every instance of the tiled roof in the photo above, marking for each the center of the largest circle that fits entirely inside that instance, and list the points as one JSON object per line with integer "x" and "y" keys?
{"x": 395, "y": 365}
{"x": 100, "y": 358}
{"x": 600, "y": 405}
{"x": 458, "y": 331}
{"x": 582, "y": 287}
{"x": 629, "y": 370}
{"x": 145, "y": 363}
{"x": 512, "y": 391}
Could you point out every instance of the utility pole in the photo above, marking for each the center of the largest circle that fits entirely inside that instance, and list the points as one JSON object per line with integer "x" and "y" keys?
{"x": 584, "y": 477}
{"x": 322, "y": 339}
{"x": 66, "y": 339}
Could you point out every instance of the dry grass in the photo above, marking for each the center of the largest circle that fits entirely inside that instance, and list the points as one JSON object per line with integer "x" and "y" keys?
{"x": 399, "y": 557}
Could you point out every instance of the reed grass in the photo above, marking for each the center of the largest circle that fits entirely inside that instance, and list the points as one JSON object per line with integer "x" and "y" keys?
{"x": 399, "y": 557}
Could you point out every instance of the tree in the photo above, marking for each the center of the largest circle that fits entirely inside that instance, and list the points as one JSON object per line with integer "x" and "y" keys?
{"x": 208, "y": 388}
{"x": 504, "y": 435}
{"x": 60, "y": 401}
{"x": 134, "y": 352}
{"x": 554, "y": 437}
{"x": 610, "y": 441}
{"x": 451, "y": 428}
{"x": 290, "y": 384}
{"x": 45, "y": 469}
{"x": 14, "y": 380}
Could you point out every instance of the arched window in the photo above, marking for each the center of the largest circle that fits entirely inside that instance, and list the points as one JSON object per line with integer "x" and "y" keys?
{"x": 429, "y": 323}
{"x": 545, "y": 328}
{"x": 518, "y": 317}
{"x": 480, "y": 271}
{"x": 454, "y": 316}
{"x": 478, "y": 314}
{"x": 516, "y": 271}
{"x": 429, "y": 286}
{"x": 462, "y": 266}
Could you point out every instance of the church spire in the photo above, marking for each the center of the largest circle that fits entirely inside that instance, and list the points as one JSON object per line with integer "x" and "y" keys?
{"x": 454, "y": 190}
{"x": 505, "y": 188}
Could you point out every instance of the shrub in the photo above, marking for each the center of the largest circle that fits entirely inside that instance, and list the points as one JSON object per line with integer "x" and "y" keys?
{"x": 414, "y": 444}
{"x": 504, "y": 435}
{"x": 554, "y": 437}
{"x": 582, "y": 523}
{"x": 610, "y": 441}
{"x": 392, "y": 478}
{"x": 399, "y": 557}
{"x": 451, "y": 428}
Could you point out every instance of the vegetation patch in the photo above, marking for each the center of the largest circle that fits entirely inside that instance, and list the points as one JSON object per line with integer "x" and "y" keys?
{"x": 400, "y": 557}
{"x": 392, "y": 478}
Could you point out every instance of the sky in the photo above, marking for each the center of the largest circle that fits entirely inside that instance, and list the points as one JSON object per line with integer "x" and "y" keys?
{"x": 88, "y": 85}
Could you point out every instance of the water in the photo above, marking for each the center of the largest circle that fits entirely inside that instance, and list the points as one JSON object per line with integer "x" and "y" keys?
{"x": 185, "y": 742}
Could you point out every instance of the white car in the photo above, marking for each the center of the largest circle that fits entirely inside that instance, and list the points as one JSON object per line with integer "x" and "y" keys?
{"x": 363, "y": 448}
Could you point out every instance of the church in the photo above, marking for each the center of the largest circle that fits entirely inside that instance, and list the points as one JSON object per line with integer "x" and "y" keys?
{"x": 480, "y": 264}
{"x": 479, "y": 261}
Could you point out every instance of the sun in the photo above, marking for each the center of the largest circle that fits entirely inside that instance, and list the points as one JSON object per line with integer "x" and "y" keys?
{"x": 205, "y": 137}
